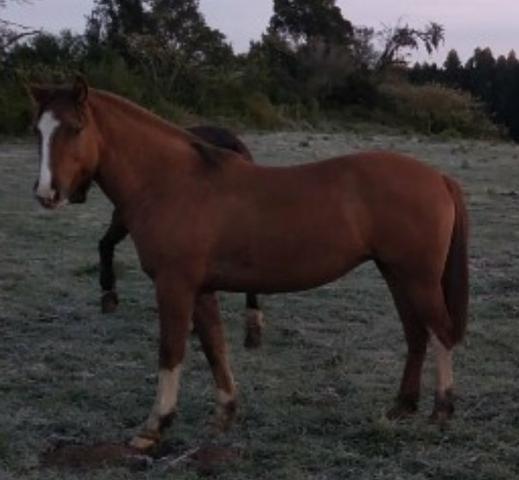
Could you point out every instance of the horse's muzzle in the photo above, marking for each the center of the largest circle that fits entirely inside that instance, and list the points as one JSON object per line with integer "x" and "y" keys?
{"x": 51, "y": 202}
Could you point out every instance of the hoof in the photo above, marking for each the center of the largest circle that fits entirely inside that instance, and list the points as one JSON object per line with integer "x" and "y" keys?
{"x": 443, "y": 408}
{"x": 254, "y": 326}
{"x": 404, "y": 408}
{"x": 109, "y": 301}
{"x": 144, "y": 441}
{"x": 225, "y": 416}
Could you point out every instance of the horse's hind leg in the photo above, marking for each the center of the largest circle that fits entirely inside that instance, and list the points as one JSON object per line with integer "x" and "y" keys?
{"x": 430, "y": 306}
{"x": 416, "y": 336}
{"x": 443, "y": 401}
{"x": 254, "y": 322}
{"x": 116, "y": 233}
{"x": 209, "y": 327}
{"x": 423, "y": 312}
{"x": 409, "y": 393}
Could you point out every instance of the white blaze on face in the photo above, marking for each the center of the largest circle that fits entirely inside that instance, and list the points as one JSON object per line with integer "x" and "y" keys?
{"x": 47, "y": 125}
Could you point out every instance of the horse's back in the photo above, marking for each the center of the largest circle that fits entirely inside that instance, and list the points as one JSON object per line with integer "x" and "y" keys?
{"x": 378, "y": 205}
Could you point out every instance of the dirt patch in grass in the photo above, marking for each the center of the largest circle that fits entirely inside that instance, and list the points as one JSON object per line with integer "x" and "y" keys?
{"x": 100, "y": 455}
{"x": 205, "y": 459}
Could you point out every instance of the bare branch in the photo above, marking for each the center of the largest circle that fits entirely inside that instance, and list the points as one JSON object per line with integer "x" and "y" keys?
{"x": 398, "y": 39}
{"x": 10, "y": 40}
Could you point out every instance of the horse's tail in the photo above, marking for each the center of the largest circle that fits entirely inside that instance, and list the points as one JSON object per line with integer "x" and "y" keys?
{"x": 455, "y": 280}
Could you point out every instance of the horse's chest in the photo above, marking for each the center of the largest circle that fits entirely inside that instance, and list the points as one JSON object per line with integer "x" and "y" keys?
{"x": 163, "y": 243}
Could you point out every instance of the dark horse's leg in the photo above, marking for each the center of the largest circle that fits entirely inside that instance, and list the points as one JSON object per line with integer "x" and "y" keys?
{"x": 116, "y": 233}
{"x": 424, "y": 315}
{"x": 254, "y": 322}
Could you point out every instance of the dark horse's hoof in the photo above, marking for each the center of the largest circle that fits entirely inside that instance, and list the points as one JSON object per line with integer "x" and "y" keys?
{"x": 254, "y": 326}
{"x": 403, "y": 408}
{"x": 109, "y": 302}
{"x": 443, "y": 408}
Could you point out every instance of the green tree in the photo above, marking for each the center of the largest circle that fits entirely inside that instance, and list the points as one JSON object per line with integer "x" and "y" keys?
{"x": 506, "y": 93}
{"x": 299, "y": 21}
{"x": 453, "y": 69}
{"x": 481, "y": 74}
{"x": 178, "y": 54}
{"x": 112, "y": 19}
{"x": 179, "y": 26}
{"x": 364, "y": 51}
{"x": 511, "y": 59}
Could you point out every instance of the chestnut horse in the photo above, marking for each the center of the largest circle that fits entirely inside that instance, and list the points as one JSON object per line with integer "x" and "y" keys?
{"x": 117, "y": 232}
{"x": 204, "y": 219}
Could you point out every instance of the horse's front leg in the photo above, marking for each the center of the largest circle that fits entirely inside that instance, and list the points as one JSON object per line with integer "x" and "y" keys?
{"x": 116, "y": 233}
{"x": 209, "y": 327}
{"x": 175, "y": 303}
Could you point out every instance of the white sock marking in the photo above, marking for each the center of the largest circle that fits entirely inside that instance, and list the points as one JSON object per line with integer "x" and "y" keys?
{"x": 223, "y": 397}
{"x": 444, "y": 375}
{"x": 167, "y": 391}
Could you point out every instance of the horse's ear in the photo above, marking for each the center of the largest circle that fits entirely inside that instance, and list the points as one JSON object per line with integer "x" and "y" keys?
{"x": 39, "y": 94}
{"x": 80, "y": 90}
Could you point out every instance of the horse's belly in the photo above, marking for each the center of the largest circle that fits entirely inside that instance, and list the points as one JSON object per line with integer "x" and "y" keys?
{"x": 288, "y": 266}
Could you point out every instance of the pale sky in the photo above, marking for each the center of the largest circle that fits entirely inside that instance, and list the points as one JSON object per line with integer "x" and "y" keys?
{"x": 468, "y": 23}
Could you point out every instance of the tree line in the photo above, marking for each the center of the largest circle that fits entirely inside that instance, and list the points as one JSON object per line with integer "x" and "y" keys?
{"x": 310, "y": 65}
{"x": 495, "y": 81}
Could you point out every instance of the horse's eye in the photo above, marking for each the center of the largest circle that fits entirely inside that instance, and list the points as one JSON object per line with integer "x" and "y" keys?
{"x": 73, "y": 128}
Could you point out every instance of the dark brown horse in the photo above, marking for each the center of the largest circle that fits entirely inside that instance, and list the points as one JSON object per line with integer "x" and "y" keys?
{"x": 117, "y": 232}
{"x": 204, "y": 220}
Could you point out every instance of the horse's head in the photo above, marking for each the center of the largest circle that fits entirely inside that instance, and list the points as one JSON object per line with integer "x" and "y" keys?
{"x": 68, "y": 143}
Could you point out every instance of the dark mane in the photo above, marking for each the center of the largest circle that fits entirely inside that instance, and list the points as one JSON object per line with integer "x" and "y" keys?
{"x": 222, "y": 138}
{"x": 211, "y": 155}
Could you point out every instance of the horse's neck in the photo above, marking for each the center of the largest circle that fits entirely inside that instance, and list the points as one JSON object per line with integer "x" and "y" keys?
{"x": 134, "y": 146}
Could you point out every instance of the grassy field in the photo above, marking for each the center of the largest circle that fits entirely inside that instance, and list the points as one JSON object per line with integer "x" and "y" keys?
{"x": 312, "y": 400}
